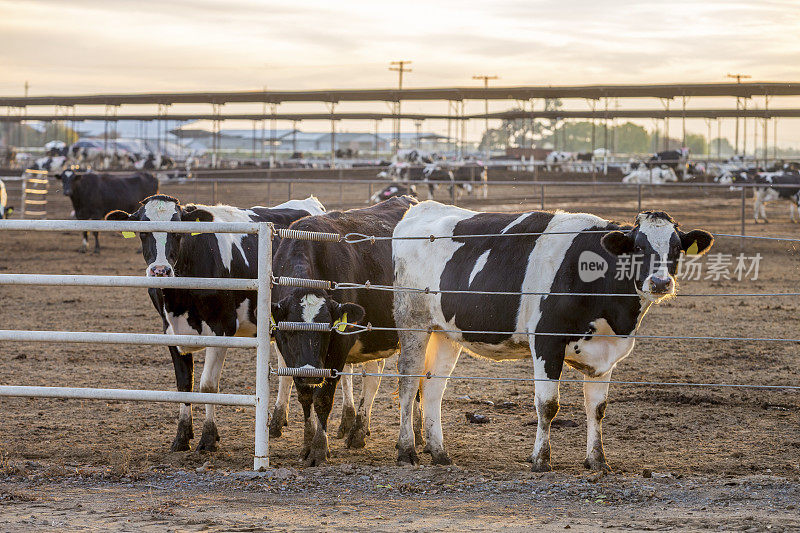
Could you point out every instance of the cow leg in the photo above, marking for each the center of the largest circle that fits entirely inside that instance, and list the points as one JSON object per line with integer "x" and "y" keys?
{"x": 305, "y": 395}
{"x": 183, "y": 363}
{"x": 546, "y": 375}
{"x": 595, "y": 396}
{"x": 764, "y": 212}
{"x": 85, "y": 243}
{"x": 209, "y": 382}
{"x": 96, "y": 242}
{"x": 419, "y": 420}
{"x": 369, "y": 389}
{"x": 440, "y": 360}
{"x": 280, "y": 414}
{"x": 430, "y": 191}
{"x": 348, "y": 405}
{"x": 411, "y": 361}
{"x": 323, "y": 402}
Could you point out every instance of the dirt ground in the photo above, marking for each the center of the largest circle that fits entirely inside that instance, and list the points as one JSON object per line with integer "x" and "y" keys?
{"x": 684, "y": 458}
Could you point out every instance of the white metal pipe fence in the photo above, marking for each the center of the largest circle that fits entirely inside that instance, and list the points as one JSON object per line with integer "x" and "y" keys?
{"x": 262, "y": 341}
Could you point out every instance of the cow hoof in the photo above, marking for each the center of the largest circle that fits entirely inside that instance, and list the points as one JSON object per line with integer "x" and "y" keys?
{"x": 599, "y": 465}
{"x": 357, "y": 438}
{"x": 184, "y": 435}
{"x": 279, "y": 419}
{"x": 407, "y": 457}
{"x": 538, "y": 465}
{"x": 96, "y": 251}
{"x": 82, "y": 250}
{"x": 316, "y": 457}
{"x": 209, "y": 439}
{"x": 440, "y": 458}
{"x": 347, "y": 424}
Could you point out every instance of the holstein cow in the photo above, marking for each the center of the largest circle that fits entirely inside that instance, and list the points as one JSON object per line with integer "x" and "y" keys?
{"x": 559, "y": 161}
{"x": 770, "y": 187}
{"x": 5, "y": 209}
{"x": 49, "y": 163}
{"x": 643, "y": 174}
{"x": 339, "y": 262}
{"x": 95, "y": 195}
{"x": 206, "y": 312}
{"x": 472, "y": 172}
{"x": 393, "y": 191}
{"x": 568, "y": 258}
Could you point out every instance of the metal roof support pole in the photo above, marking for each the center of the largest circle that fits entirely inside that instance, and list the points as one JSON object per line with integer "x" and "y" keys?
{"x": 744, "y": 126}
{"x": 736, "y": 136}
{"x": 463, "y": 129}
{"x": 683, "y": 120}
{"x": 450, "y": 124}
{"x": 665, "y": 103}
{"x": 331, "y": 106}
{"x": 273, "y": 132}
{"x": 376, "y": 141}
{"x": 593, "y": 104}
{"x": 605, "y": 140}
{"x": 708, "y": 139}
{"x": 775, "y": 138}
{"x": 294, "y": 137}
{"x": 719, "y": 137}
{"x": 263, "y": 126}
{"x": 253, "y": 144}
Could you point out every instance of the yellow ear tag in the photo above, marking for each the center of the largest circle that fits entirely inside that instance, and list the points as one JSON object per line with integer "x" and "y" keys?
{"x": 693, "y": 249}
{"x": 341, "y": 323}
{"x": 128, "y": 234}
{"x": 196, "y": 220}
{"x": 272, "y": 322}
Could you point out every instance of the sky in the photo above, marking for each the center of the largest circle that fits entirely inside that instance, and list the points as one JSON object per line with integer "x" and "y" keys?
{"x": 95, "y": 46}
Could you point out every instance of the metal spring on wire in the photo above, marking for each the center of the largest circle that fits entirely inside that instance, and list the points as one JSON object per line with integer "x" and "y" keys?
{"x": 304, "y": 326}
{"x": 308, "y": 235}
{"x": 306, "y": 372}
{"x": 304, "y": 283}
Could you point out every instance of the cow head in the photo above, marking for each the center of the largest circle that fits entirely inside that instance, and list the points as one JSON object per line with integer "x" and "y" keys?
{"x": 310, "y": 348}
{"x": 655, "y": 242}
{"x": 160, "y": 250}
{"x": 69, "y": 178}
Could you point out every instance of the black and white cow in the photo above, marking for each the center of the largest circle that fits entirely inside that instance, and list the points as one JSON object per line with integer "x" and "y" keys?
{"x": 473, "y": 173}
{"x": 393, "y": 191}
{"x": 95, "y": 195}
{"x": 770, "y": 187}
{"x": 203, "y": 312}
{"x": 559, "y": 161}
{"x": 56, "y": 148}
{"x": 550, "y": 329}
{"x": 5, "y": 209}
{"x": 52, "y": 164}
{"x": 343, "y": 263}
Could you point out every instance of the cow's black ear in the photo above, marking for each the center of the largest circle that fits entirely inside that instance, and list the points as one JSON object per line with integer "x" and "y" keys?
{"x": 278, "y": 313}
{"x": 617, "y": 243}
{"x": 353, "y": 312}
{"x": 696, "y": 242}
{"x": 197, "y": 215}
{"x": 119, "y": 215}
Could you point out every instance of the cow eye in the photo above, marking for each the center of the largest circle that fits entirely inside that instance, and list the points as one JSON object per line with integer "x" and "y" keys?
{"x": 637, "y": 249}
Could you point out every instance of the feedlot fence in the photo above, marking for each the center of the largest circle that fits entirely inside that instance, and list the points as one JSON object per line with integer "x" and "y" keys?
{"x": 262, "y": 284}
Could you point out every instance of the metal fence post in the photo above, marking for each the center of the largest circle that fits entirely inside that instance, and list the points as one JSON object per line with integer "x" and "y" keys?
{"x": 640, "y": 198}
{"x": 741, "y": 241}
{"x": 24, "y": 197}
{"x": 214, "y": 193}
{"x": 290, "y": 191}
{"x": 542, "y": 196}
{"x": 263, "y": 311}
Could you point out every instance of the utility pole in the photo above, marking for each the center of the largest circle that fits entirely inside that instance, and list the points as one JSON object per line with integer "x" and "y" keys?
{"x": 486, "y": 79}
{"x": 738, "y": 78}
{"x": 401, "y": 68}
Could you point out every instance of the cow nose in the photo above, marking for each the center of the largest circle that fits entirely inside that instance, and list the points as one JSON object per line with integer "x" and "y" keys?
{"x": 160, "y": 271}
{"x": 660, "y": 285}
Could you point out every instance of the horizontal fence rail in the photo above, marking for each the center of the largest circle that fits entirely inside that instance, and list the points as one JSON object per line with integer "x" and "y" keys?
{"x": 138, "y": 226}
{"x": 146, "y": 339}
{"x": 229, "y": 284}
{"x": 79, "y": 393}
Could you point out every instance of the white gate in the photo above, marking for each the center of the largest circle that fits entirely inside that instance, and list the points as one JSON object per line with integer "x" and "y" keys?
{"x": 262, "y": 342}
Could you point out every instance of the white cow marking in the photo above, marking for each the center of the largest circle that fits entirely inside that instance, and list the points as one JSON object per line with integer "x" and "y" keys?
{"x": 311, "y": 305}
{"x": 479, "y": 264}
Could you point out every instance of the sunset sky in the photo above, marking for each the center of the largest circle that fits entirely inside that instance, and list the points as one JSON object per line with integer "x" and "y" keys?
{"x": 91, "y": 46}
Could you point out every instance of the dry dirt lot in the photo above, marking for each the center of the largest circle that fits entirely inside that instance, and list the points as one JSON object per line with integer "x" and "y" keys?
{"x": 716, "y": 458}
